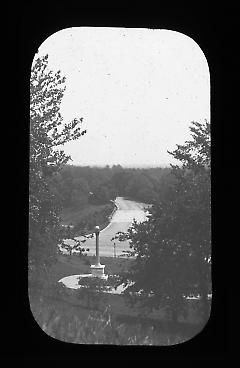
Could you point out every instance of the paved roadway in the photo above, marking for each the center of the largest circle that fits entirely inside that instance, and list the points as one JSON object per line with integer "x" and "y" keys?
{"x": 123, "y": 217}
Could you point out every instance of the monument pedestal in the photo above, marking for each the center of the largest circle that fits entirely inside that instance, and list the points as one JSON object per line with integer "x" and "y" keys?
{"x": 98, "y": 271}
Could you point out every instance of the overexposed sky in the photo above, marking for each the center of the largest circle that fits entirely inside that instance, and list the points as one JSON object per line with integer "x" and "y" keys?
{"x": 137, "y": 90}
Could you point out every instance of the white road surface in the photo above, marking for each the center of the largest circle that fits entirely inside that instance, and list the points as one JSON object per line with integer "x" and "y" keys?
{"x": 122, "y": 219}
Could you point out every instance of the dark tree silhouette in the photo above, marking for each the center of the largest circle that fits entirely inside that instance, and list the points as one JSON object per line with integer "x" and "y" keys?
{"x": 47, "y": 133}
{"x": 173, "y": 248}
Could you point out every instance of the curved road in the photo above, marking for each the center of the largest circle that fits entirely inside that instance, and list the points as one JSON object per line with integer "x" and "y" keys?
{"x": 127, "y": 210}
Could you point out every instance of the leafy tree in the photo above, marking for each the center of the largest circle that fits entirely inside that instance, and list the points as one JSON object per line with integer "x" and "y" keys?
{"x": 47, "y": 134}
{"x": 173, "y": 248}
{"x": 72, "y": 245}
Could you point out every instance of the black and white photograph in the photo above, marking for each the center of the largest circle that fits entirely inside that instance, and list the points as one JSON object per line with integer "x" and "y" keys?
{"x": 119, "y": 242}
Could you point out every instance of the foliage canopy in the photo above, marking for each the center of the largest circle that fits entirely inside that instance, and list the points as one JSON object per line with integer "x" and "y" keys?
{"x": 47, "y": 134}
{"x": 173, "y": 248}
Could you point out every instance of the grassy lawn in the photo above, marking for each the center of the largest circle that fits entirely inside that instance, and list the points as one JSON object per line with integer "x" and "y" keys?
{"x": 71, "y": 265}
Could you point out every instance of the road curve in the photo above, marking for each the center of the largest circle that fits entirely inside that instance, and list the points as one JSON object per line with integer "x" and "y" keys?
{"x": 127, "y": 210}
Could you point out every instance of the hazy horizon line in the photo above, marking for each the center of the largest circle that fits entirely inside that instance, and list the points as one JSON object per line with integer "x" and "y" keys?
{"x": 142, "y": 166}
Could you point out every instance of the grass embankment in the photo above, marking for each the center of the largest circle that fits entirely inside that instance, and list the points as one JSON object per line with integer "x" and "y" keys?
{"x": 88, "y": 216}
{"x": 63, "y": 315}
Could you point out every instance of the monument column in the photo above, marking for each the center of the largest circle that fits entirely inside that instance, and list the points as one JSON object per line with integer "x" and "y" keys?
{"x": 97, "y": 231}
{"x": 97, "y": 268}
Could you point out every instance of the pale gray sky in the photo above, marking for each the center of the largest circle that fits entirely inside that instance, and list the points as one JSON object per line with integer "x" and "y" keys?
{"x": 137, "y": 90}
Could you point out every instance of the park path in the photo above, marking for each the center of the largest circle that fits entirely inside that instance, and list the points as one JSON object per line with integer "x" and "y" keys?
{"x": 122, "y": 219}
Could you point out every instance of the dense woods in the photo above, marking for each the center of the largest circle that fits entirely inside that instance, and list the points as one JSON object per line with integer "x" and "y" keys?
{"x": 77, "y": 186}
{"x": 86, "y": 194}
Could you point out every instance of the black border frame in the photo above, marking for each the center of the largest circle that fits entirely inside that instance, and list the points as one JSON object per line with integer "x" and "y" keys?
{"x": 32, "y": 25}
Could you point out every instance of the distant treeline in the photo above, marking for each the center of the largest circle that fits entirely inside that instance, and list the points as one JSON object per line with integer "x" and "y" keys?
{"x": 81, "y": 185}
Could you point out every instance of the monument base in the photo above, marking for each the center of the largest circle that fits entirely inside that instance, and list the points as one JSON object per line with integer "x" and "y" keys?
{"x": 98, "y": 271}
